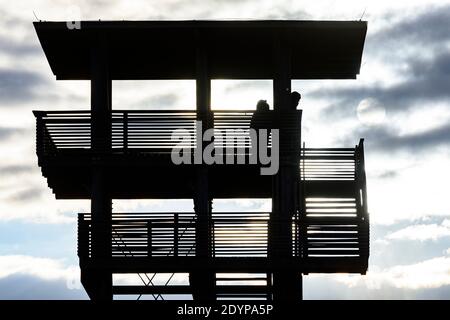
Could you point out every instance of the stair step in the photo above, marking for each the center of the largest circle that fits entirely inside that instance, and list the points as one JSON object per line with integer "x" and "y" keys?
{"x": 241, "y": 279}
{"x": 185, "y": 289}
{"x": 241, "y": 289}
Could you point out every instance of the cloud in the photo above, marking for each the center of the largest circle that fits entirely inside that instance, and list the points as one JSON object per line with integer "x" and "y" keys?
{"x": 422, "y": 232}
{"x": 15, "y": 169}
{"x": 428, "y": 27}
{"x": 18, "y": 86}
{"x": 30, "y": 277}
{"x": 17, "y": 48}
{"x": 387, "y": 174}
{"x": 40, "y": 210}
{"x": 7, "y": 132}
{"x": 166, "y": 100}
{"x": 245, "y": 85}
{"x": 42, "y": 268}
{"x": 426, "y": 82}
{"x": 387, "y": 139}
{"x": 429, "y": 274}
{"x": 413, "y": 52}
{"x": 24, "y": 287}
{"x": 27, "y": 194}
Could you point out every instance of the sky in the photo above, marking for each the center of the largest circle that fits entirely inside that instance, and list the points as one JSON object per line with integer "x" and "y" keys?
{"x": 400, "y": 104}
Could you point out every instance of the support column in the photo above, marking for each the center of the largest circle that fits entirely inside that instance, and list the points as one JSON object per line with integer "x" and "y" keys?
{"x": 97, "y": 279}
{"x": 287, "y": 281}
{"x": 202, "y": 282}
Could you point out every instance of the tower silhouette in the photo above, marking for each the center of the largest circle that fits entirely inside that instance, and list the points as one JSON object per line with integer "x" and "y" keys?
{"x": 319, "y": 221}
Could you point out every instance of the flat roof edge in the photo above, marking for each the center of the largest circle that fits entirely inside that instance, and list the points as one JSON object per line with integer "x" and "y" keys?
{"x": 94, "y": 24}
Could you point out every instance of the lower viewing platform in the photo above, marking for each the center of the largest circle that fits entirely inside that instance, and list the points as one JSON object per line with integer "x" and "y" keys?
{"x": 335, "y": 240}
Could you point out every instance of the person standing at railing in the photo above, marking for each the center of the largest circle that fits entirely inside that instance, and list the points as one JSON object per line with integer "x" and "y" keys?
{"x": 257, "y": 121}
{"x": 260, "y": 120}
{"x": 295, "y": 147}
{"x": 295, "y": 125}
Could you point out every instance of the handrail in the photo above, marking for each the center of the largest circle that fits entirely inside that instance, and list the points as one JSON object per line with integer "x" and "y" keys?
{"x": 142, "y": 130}
{"x": 239, "y": 234}
{"x": 338, "y": 164}
{"x": 116, "y": 237}
{"x": 44, "y": 112}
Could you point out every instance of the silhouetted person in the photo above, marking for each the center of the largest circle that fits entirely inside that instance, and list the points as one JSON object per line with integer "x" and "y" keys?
{"x": 261, "y": 120}
{"x": 295, "y": 100}
{"x": 295, "y": 119}
{"x": 295, "y": 140}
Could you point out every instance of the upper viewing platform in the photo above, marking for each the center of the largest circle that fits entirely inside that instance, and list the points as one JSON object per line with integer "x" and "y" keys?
{"x": 236, "y": 49}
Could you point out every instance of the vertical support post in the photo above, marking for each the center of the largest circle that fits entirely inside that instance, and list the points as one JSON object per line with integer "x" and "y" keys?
{"x": 98, "y": 277}
{"x": 100, "y": 97}
{"x": 203, "y": 282}
{"x": 202, "y": 199}
{"x": 287, "y": 281}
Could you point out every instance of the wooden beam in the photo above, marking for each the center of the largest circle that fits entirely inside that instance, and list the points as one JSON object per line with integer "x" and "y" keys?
{"x": 202, "y": 283}
{"x": 99, "y": 282}
{"x": 100, "y": 96}
{"x": 287, "y": 285}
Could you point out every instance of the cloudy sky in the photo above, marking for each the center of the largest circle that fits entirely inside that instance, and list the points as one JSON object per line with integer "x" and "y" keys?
{"x": 400, "y": 104}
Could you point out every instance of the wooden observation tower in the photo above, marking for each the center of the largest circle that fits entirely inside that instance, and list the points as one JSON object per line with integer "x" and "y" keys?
{"x": 319, "y": 221}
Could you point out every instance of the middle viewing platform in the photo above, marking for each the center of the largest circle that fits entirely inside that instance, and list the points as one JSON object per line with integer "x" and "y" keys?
{"x": 138, "y": 151}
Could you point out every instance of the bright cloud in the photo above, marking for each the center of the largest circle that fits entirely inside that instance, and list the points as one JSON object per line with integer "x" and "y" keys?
{"x": 432, "y": 273}
{"x": 43, "y": 268}
{"x": 422, "y": 232}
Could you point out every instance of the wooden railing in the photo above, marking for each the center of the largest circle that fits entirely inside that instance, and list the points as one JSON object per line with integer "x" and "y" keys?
{"x": 335, "y": 220}
{"x": 63, "y": 132}
{"x": 243, "y": 234}
{"x": 174, "y": 234}
{"x": 328, "y": 163}
{"x": 147, "y": 131}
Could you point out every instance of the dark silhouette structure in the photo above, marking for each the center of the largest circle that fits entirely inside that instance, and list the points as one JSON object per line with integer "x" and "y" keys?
{"x": 319, "y": 221}
{"x": 295, "y": 99}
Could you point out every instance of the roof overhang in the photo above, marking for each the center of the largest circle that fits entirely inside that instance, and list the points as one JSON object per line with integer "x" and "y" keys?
{"x": 235, "y": 49}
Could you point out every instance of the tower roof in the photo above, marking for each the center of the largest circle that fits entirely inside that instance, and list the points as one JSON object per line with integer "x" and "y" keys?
{"x": 235, "y": 49}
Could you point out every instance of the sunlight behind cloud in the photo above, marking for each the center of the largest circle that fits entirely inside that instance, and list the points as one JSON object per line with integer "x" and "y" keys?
{"x": 370, "y": 111}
